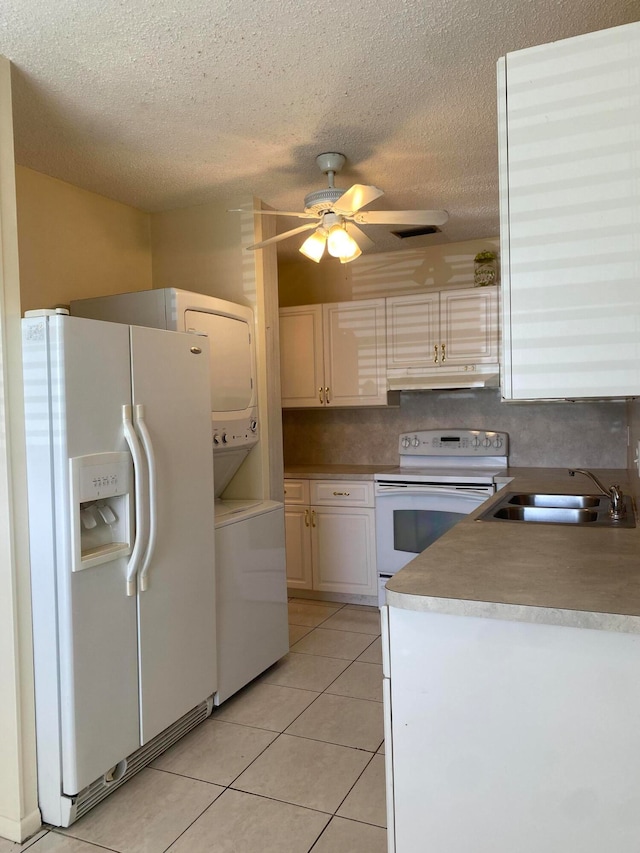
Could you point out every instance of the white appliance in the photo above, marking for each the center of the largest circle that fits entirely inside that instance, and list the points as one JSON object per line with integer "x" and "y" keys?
{"x": 252, "y": 631}
{"x": 252, "y": 622}
{"x": 443, "y": 476}
{"x": 120, "y": 506}
{"x": 230, "y": 330}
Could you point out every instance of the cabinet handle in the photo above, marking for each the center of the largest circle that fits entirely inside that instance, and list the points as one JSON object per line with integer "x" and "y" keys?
{"x": 326, "y": 395}
{"x": 320, "y": 394}
{"x": 313, "y": 518}
{"x": 306, "y": 518}
{"x": 435, "y": 353}
{"x": 346, "y": 494}
{"x": 444, "y": 355}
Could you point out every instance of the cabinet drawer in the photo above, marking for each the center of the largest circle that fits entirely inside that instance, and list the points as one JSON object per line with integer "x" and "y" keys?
{"x": 341, "y": 493}
{"x": 296, "y": 492}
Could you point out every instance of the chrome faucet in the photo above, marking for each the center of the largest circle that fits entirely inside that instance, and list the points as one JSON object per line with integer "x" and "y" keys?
{"x": 617, "y": 510}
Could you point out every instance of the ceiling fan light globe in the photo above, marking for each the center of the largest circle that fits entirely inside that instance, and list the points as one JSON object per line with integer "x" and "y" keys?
{"x": 339, "y": 243}
{"x": 345, "y": 259}
{"x": 313, "y": 246}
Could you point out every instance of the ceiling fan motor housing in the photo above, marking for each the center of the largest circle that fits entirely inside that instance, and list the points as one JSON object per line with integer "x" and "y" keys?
{"x": 320, "y": 200}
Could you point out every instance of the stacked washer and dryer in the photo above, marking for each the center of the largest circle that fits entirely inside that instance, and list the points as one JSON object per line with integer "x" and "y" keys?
{"x": 251, "y": 591}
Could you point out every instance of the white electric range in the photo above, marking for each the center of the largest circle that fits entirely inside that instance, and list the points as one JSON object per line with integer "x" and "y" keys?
{"x": 443, "y": 475}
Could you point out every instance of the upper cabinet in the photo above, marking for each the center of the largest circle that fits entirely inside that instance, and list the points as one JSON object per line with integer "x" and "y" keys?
{"x": 443, "y": 338}
{"x": 569, "y": 127}
{"x": 333, "y": 354}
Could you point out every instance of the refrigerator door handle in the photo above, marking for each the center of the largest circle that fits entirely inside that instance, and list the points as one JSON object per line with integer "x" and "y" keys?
{"x": 153, "y": 502}
{"x": 138, "y": 468}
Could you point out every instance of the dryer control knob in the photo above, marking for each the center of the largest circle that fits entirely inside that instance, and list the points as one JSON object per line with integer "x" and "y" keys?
{"x": 486, "y": 442}
{"x": 475, "y": 441}
{"x": 406, "y": 441}
{"x": 498, "y": 442}
{"x": 216, "y": 439}
{"x": 224, "y": 438}
{"x": 415, "y": 441}
{"x": 253, "y": 425}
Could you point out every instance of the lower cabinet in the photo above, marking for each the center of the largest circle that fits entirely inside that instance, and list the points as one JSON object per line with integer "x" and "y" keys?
{"x": 330, "y": 536}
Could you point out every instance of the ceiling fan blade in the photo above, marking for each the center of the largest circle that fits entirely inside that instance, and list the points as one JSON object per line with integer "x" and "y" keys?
{"x": 297, "y": 213}
{"x": 356, "y": 197}
{"x": 359, "y": 236}
{"x": 284, "y": 236}
{"x": 402, "y": 217}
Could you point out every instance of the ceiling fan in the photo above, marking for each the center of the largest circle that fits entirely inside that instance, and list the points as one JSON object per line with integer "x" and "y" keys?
{"x": 335, "y": 213}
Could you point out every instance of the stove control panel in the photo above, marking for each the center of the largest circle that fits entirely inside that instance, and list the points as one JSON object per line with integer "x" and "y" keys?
{"x": 454, "y": 442}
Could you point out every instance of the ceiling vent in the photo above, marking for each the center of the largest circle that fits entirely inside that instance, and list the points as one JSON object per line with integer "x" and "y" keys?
{"x": 417, "y": 232}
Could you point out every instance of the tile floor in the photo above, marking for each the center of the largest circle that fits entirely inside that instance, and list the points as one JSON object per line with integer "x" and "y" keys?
{"x": 292, "y": 763}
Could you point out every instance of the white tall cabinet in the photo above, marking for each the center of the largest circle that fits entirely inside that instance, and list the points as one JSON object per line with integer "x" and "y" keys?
{"x": 569, "y": 129}
{"x": 333, "y": 354}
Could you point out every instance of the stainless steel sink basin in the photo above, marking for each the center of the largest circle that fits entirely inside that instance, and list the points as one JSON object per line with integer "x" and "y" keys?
{"x": 571, "y": 501}
{"x": 580, "y": 510}
{"x": 547, "y": 514}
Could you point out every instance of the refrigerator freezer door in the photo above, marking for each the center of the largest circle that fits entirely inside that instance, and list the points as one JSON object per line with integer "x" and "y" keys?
{"x": 76, "y": 379}
{"x": 176, "y": 625}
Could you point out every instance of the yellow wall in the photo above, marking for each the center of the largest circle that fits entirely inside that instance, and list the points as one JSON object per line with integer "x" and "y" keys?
{"x": 74, "y": 243}
{"x": 438, "y": 267}
{"x": 201, "y": 249}
{"x": 19, "y": 814}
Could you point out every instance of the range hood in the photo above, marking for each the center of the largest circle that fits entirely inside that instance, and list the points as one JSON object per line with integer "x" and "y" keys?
{"x": 483, "y": 376}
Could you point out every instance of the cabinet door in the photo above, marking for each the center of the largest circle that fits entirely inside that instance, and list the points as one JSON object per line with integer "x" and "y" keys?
{"x": 298, "y": 546}
{"x": 570, "y": 207}
{"x": 354, "y": 353}
{"x": 301, "y": 368}
{"x": 343, "y": 549}
{"x": 469, "y": 326}
{"x": 412, "y": 331}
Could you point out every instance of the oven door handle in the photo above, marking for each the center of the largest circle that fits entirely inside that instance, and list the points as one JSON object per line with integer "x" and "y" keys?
{"x": 412, "y": 491}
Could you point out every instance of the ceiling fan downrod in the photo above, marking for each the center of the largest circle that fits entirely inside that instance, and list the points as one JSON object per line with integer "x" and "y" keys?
{"x": 330, "y": 164}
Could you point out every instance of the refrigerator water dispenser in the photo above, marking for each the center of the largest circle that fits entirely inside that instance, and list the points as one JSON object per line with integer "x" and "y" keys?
{"x": 100, "y": 508}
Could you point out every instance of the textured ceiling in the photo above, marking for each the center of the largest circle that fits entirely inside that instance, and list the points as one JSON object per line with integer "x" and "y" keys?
{"x": 163, "y": 104}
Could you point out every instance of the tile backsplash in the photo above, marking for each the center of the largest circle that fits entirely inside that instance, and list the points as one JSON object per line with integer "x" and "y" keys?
{"x": 584, "y": 434}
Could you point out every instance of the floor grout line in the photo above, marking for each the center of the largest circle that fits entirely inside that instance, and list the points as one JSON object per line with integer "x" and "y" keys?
{"x": 57, "y": 831}
{"x": 277, "y": 734}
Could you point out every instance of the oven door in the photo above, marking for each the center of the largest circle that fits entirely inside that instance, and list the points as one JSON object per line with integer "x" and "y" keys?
{"x": 410, "y": 517}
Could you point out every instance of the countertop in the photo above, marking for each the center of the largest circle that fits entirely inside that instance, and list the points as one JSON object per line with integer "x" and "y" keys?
{"x": 334, "y": 472}
{"x": 554, "y": 574}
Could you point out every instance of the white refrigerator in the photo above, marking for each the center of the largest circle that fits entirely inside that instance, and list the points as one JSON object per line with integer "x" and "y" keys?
{"x": 121, "y": 504}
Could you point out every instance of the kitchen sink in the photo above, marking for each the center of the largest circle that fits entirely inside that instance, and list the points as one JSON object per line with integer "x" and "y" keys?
{"x": 570, "y": 501}
{"x": 580, "y": 510}
{"x": 548, "y": 514}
